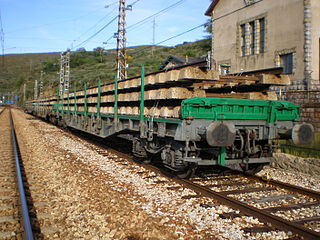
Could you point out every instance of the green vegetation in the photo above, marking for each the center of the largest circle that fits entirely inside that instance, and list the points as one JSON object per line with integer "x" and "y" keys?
{"x": 311, "y": 151}
{"x": 87, "y": 66}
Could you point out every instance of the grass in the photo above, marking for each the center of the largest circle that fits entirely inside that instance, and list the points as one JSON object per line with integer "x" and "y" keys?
{"x": 307, "y": 151}
{"x": 86, "y": 66}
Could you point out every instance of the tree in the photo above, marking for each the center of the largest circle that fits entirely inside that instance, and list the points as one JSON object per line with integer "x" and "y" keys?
{"x": 50, "y": 66}
{"x": 208, "y": 27}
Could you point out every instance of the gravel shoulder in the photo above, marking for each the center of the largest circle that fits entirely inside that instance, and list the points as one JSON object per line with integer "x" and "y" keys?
{"x": 303, "y": 172}
{"x": 95, "y": 197}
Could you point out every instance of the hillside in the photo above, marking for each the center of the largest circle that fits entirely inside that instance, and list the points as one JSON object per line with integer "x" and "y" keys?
{"x": 87, "y": 67}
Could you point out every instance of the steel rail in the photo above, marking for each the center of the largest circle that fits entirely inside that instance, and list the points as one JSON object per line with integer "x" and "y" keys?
{"x": 262, "y": 215}
{"x": 287, "y": 186}
{"x": 24, "y": 207}
{"x": 1, "y": 111}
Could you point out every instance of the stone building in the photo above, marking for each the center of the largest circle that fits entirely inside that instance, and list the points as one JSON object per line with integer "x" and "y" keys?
{"x": 249, "y": 35}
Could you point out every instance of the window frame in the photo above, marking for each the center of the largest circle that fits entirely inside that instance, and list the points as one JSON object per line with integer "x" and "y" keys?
{"x": 286, "y": 62}
{"x": 252, "y": 36}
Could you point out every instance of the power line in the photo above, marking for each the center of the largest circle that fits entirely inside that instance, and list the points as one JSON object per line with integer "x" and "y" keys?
{"x": 175, "y": 36}
{"x": 104, "y": 17}
{"x": 178, "y": 35}
{"x": 95, "y": 34}
{"x": 153, "y": 35}
{"x": 141, "y": 22}
{"x": 103, "y": 26}
{"x": 192, "y": 29}
{"x": 155, "y": 14}
{"x": 134, "y": 2}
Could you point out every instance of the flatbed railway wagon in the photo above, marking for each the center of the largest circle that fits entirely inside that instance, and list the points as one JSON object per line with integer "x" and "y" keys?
{"x": 189, "y": 116}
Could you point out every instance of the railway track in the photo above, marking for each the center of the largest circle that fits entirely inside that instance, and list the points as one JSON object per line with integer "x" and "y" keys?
{"x": 280, "y": 206}
{"x": 284, "y": 206}
{"x": 11, "y": 206}
{"x": 20, "y": 214}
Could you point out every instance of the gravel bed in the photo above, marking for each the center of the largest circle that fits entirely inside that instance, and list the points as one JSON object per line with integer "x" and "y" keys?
{"x": 292, "y": 173}
{"x": 277, "y": 198}
{"x": 97, "y": 197}
{"x": 297, "y": 214}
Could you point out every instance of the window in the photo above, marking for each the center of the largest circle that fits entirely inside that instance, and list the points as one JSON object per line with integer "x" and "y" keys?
{"x": 243, "y": 39}
{"x": 262, "y": 34}
{"x": 287, "y": 63}
{"x": 252, "y": 37}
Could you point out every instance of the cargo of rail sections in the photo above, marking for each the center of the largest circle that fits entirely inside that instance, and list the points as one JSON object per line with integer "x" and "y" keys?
{"x": 188, "y": 116}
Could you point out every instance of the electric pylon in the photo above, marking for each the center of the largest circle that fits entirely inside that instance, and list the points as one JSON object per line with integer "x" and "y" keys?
{"x": 41, "y": 85}
{"x": 35, "y": 89}
{"x": 64, "y": 84}
{"x": 121, "y": 42}
{"x": 61, "y": 76}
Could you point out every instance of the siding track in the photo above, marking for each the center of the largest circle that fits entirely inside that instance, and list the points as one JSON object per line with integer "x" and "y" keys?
{"x": 274, "y": 203}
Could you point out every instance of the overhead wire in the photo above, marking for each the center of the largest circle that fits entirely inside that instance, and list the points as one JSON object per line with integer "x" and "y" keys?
{"x": 192, "y": 29}
{"x": 170, "y": 38}
{"x": 95, "y": 34}
{"x": 145, "y": 20}
{"x": 106, "y": 42}
{"x": 135, "y": 2}
{"x": 154, "y": 15}
{"x": 88, "y": 30}
{"x": 102, "y": 27}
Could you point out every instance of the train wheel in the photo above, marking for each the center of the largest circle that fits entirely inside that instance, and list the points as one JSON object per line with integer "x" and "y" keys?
{"x": 188, "y": 172}
{"x": 140, "y": 152}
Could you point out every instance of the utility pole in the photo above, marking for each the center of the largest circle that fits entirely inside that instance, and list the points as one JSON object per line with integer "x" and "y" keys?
{"x": 64, "y": 75}
{"x": 121, "y": 42}
{"x": 154, "y": 36}
{"x": 24, "y": 94}
{"x": 41, "y": 85}
{"x": 67, "y": 71}
{"x": 61, "y": 76}
{"x": 30, "y": 66}
{"x": 35, "y": 89}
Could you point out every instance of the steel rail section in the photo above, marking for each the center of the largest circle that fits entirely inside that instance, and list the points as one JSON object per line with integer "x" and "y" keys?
{"x": 262, "y": 215}
{"x": 290, "y": 187}
{"x": 1, "y": 111}
{"x": 24, "y": 206}
{"x": 253, "y": 211}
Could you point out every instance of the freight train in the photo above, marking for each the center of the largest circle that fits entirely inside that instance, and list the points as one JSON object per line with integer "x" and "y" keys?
{"x": 188, "y": 116}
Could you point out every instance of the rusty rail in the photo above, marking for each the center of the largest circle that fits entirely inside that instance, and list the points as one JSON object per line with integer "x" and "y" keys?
{"x": 23, "y": 200}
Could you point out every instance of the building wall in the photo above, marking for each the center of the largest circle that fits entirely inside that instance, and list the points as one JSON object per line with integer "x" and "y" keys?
{"x": 291, "y": 26}
{"x": 315, "y": 10}
{"x": 284, "y": 30}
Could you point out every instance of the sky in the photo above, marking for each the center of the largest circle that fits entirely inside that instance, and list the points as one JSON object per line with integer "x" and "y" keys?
{"x": 35, "y": 26}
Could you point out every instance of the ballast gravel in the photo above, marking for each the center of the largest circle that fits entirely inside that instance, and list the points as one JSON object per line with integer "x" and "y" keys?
{"x": 106, "y": 197}
{"x": 294, "y": 175}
